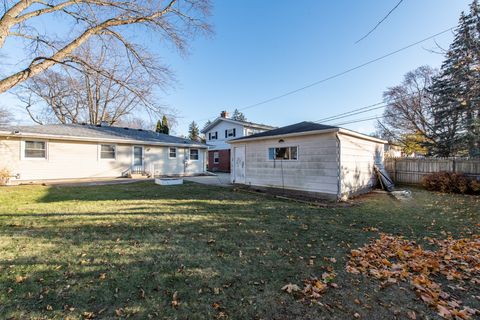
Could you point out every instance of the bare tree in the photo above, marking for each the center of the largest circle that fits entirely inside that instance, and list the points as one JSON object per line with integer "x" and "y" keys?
{"x": 409, "y": 108}
{"x": 98, "y": 21}
{"x": 112, "y": 90}
{"x": 5, "y": 116}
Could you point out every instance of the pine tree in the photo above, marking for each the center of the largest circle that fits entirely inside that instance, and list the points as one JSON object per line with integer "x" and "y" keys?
{"x": 193, "y": 132}
{"x": 159, "y": 127}
{"x": 456, "y": 114}
{"x": 165, "y": 128}
{"x": 238, "y": 116}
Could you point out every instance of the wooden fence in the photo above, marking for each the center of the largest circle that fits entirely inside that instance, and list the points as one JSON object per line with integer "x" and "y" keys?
{"x": 411, "y": 170}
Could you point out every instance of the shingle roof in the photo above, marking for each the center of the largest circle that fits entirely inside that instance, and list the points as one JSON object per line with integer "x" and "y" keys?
{"x": 98, "y": 133}
{"x": 304, "y": 126}
{"x": 245, "y": 123}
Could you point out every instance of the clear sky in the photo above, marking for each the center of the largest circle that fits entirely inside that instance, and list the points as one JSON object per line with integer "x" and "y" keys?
{"x": 262, "y": 49}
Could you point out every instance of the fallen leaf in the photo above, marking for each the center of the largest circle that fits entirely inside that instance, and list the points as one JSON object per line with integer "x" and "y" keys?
{"x": 291, "y": 288}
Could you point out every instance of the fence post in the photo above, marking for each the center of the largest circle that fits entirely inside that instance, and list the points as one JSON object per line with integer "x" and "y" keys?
{"x": 454, "y": 166}
{"x": 394, "y": 169}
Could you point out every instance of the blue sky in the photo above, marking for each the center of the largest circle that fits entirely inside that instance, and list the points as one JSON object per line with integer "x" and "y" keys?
{"x": 261, "y": 49}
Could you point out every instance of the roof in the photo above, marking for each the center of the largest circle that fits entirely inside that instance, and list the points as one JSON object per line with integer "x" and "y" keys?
{"x": 303, "y": 128}
{"x": 243, "y": 123}
{"x": 96, "y": 133}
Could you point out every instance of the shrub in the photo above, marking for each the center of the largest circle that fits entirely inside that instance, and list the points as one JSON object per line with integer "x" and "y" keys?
{"x": 450, "y": 182}
{"x": 4, "y": 176}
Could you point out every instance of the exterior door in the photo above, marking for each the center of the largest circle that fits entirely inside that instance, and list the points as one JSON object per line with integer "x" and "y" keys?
{"x": 138, "y": 159}
{"x": 239, "y": 165}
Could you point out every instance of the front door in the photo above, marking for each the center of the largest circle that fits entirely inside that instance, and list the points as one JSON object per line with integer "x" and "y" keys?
{"x": 137, "y": 159}
{"x": 239, "y": 165}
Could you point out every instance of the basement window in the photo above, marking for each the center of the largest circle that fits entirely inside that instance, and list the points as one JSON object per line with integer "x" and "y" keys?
{"x": 35, "y": 150}
{"x": 283, "y": 153}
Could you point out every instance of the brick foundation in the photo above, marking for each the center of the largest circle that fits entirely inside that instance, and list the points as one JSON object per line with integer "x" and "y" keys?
{"x": 223, "y": 164}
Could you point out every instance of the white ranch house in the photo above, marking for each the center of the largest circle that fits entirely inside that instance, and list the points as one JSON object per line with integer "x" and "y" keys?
{"x": 73, "y": 151}
{"x": 326, "y": 161}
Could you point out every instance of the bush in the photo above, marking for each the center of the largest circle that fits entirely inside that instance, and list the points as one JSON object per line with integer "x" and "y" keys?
{"x": 4, "y": 176}
{"x": 450, "y": 182}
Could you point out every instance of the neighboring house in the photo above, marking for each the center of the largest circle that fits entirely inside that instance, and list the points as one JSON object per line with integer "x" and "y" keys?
{"x": 219, "y": 132}
{"x": 82, "y": 151}
{"x": 329, "y": 162}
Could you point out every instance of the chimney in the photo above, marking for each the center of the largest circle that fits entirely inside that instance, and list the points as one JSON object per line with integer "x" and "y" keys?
{"x": 224, "y": 114}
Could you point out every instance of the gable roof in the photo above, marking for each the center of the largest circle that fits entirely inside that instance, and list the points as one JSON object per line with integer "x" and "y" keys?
{"x": 96, "y": 133}
{"x": 303, "y": 128}
{"x": 242, "y": 123}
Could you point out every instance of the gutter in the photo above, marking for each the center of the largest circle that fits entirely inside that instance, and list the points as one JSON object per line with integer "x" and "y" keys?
{"x": 87, "y": 139}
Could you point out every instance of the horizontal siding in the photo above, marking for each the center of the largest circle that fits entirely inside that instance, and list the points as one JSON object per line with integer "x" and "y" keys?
{"x": 71, "y": 160}
{"x": 314, "y": 171}
{"x": 358, "y": 157}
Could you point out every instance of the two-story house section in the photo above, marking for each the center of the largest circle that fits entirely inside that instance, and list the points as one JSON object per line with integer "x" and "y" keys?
{"x": 219, "y": 132}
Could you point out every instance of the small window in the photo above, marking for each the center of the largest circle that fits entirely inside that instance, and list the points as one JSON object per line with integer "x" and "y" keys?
{"x": 216, "y": 157}
{"x": 230, "y": 133}
{"x": 285, "y": 153}
{"x": 193, "y": 154}
{"x": 107, "y": 151}
{"x": 172, "y": 152}
{"x": 36, "y": 149}
{"x": 213, "y": 135}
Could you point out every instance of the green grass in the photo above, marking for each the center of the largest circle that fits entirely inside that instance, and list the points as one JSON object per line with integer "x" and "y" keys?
{"x": 131, "y": 247}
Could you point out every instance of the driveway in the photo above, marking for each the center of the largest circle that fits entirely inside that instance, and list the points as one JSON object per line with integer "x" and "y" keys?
{"x": 219, "y": 179}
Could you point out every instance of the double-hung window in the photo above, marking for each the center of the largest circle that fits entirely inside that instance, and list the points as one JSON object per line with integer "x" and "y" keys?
{"x": 193, "y": 154}
{"x": 35, "y": 150}
{"x": 108, "y": 151}
{"x": 283, "y": 153}
{"x": 216, "y": 157}
{"x": 213, "y": 135}
{"x": 172, "y": 152}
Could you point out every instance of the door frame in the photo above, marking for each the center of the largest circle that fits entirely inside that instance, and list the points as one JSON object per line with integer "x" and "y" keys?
{"x": 143, "y": 156}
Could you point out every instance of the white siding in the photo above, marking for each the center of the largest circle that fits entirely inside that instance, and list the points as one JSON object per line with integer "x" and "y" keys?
{"x": 73, "y": 159}
{"x": 221, "y": 142}
{"x": 358, "y": 157}
{"x": 316, "y": 169}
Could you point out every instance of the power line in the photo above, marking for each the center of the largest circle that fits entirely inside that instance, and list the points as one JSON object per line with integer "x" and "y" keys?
{"x": 380, "y": 22}
{"x": 358, "y": 120}
{"x": 368, "y": 108}
{"x": 339, "y": 74}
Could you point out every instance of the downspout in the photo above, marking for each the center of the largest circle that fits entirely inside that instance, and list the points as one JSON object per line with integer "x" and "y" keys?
{"x": 339, "y": 171}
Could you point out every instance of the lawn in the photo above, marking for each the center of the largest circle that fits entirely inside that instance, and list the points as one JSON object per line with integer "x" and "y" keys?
{"x": 195, "y": 252}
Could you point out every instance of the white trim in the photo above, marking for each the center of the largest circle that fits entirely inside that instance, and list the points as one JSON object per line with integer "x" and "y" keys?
{"x": 218, "y": 158}
{"x": 176, "y": 149}
{"x": 99, "y": 151}
{"x": 287, "y": 146}
{"x": 38, "y": 136}
{"x": 313, "y": 132}
{"x": 190, "y": 154}
{"x": 143, "y": 155}
{"x": 22, "y": 150}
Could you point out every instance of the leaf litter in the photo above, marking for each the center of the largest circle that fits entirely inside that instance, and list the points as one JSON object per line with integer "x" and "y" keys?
{"x": 391, "y": 259}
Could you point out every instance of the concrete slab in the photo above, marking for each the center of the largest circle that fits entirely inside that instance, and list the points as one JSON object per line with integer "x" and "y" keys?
{"x": 219, "y": 179}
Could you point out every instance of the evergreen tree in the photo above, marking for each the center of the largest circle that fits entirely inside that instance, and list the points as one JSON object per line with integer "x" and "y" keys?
{"x": 456, "y": 113}
{"x": 238, "y": 116}
{"x": 165, "y": 128}
{"x": 193, "y": 132}
{"x": 159, "y": 127}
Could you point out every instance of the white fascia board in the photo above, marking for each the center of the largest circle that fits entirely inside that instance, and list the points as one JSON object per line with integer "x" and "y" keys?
{"x": 87, "y": 139}
{"x": 296, "y": 134}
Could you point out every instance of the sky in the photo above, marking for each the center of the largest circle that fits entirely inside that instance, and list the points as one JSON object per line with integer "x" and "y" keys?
{"x": 263, "y": 49}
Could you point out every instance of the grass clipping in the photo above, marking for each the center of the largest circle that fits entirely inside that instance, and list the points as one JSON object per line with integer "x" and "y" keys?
{"x": 392, "y": 259}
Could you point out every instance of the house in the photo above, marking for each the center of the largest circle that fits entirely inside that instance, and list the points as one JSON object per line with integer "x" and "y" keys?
{"x": 219, "y": 132}
{"x": 72, "y": 151}
{"x": 324, "y": 161}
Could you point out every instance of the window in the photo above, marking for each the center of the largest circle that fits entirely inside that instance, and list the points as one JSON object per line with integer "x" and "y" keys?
{"x": 285, "y": 153}
{"x": 193, "y": 154}
{"x": 107, "y": 151}
{"x": 216, "y": 157}
{"x": 213, "y": 135}
{"x": 230, "y": 133}
{"x": 36, "y": 149}
{"x": 172, "y": 152}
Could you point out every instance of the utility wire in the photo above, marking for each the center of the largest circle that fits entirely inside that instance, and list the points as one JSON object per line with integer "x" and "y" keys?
{"x": 340, "y": 73}
{"x": 354, "y": 112}
{"x": 380, "y": 22}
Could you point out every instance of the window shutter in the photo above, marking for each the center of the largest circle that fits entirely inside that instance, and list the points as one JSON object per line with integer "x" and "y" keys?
{"x": 216, "y": 134}
{"x": 234, "y": 133}
{"x": 209, "y": 136}
{"x": 226, "y": 133}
